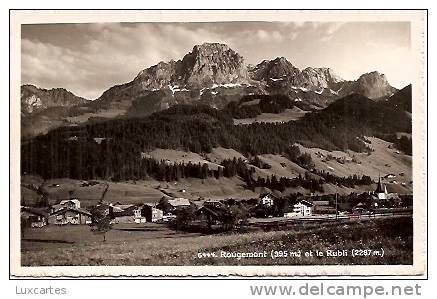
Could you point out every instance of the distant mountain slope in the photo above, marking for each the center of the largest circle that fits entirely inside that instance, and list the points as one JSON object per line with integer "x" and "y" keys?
{"x": 35, "y": 99}
{"x": 401, "y": 100}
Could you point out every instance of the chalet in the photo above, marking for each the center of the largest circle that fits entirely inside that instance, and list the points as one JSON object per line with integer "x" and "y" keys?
{"x": 212, "y": 214}
{"x": 179, "y": 202}
{"x": 171, "y": 205}
{"x": 33, "y": 217}
{"x": 73, "y": 203}
{"x": 302, "y": 208}
{"x": 267, "y": 199}
{"x": 70, "y": 215}
{"x": 152, "y": 214}
{"x": 129, "y": 214}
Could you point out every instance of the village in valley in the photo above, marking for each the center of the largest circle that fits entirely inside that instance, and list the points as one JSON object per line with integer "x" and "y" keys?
{"x": 270, "y": 210}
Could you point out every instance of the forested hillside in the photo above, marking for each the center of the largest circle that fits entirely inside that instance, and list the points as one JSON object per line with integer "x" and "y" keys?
{"x": 114, "y": 148}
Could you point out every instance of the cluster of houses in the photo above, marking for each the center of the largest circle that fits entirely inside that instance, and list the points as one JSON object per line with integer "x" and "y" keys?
{"x": 66, "y": 212}
{"x": 70, "y": 212}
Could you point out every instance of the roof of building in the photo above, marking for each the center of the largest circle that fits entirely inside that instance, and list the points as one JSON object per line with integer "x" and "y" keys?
{"x": 178, "y": 202}
{"x": 262, "y": 195}
{"x": 214, "y": 212}
{"x": 67, "y": 209}
{"x": 126, "y": 207}
{"x": 306, "y": 203}
{"x": 321, "y": 202}
{"x": 68, "y": 200}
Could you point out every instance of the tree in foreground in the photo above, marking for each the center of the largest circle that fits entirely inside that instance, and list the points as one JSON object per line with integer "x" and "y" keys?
{"x": 102, "y": 220}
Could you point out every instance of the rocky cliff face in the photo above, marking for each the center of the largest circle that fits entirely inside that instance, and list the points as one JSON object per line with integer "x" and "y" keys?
{"x": 157, "y": 76}
{"x": 320, "y": 78}
{"x": 35, "y": 99}
{"x": 280, "y": 69}
{"x": 374, "y": 86}
{"x": 204, "y": 66}
{"x": 208, "y": 66}
{"x": 213, "y": 63}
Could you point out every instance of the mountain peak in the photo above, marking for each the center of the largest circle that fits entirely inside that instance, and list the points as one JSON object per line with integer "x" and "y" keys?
{"x": 372, "y": 75}
{"x": 281, "y": 59}
{"x": 205, "y": 65}
{"x": 374, "y": 85}
{"x": 210, "y": 47}
{"x": 277, "y": 68}
{"x": 212, "y": 63}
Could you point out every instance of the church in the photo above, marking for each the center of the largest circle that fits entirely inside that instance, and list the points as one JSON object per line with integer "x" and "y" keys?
{"x": 381, "y": 191}
{"x": 381, "y": 197}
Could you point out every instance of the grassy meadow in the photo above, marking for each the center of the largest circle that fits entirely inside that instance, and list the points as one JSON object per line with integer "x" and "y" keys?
{"x": 155, "y": 244}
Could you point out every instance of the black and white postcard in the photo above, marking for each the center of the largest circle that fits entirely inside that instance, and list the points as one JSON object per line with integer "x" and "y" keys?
{"x": 217, "y": 143}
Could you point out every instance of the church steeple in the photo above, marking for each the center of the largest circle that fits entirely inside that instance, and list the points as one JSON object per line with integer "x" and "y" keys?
{"x": 381, "y": 191}
{"x": 379, "y": 188}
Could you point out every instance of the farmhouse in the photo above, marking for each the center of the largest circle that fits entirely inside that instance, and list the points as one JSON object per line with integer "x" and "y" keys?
{"x": 171, "y": 205}
{"x": 267, "y": 199}
{"x": 213, "y": 214}
{"x": 302, "y": 208}
{"x": 129, "y": 214}
{"x": 210, "y": 214}
{"x": 152, "y": 214}
{"x": 33, "y": 217}
{"x": 70, "y": 215}
{"x": 179, "y": 202}
{"x": 73, "y": 203}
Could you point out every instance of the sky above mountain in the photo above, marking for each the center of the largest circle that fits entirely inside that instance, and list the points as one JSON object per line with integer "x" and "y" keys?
{"x": 89, "y": 58}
